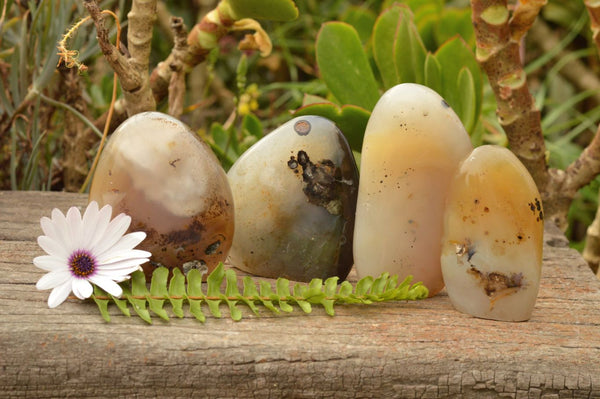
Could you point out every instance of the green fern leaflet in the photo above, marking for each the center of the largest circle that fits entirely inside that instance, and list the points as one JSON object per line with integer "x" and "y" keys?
{"x": 189, "y": 289}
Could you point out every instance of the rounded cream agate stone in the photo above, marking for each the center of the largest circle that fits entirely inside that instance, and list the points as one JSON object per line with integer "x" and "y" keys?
{"x": 412, "y": 147}
{"x": 156, "y": 170}
{"x": 493, "y": 237}
{"x": 295, "y": 199}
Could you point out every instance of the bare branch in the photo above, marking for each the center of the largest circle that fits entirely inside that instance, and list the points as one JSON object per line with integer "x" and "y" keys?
{"x": 177, "y": 82}
{"x": 132, "y": 72}
{"x": 524, "y": 16}
{"x": 139, "y": 38}
{"x": 498, "y": 54}
{"x": 128, "y": 78}
{"x": 203, "y": 37}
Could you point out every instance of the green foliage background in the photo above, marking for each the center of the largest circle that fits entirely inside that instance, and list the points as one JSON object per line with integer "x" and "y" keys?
{"x": 235, "y": 98}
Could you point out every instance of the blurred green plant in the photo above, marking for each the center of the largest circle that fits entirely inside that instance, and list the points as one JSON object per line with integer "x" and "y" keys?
{"x": 28, "y": 60}
{"x": 356, "y": 76}
{"x": 432, "y": 44}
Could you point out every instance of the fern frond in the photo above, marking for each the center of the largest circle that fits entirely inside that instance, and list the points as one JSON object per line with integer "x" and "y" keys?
{"x": 222, "y": 287}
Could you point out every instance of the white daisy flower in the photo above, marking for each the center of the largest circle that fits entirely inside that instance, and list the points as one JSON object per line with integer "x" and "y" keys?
{"x": 86, "y": 251}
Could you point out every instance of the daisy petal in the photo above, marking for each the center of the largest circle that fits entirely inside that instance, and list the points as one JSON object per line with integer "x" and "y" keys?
{"x": 89, "y": 222}
{"x": 52, "y": 247}
{"x": 62, "y": 230}
{"x": 75, "y": 226}
{"x": 120, "y": 274}
{"x": 49, "y": 228}
{"x": 112, "y": 257}
{"x": 124, "y": 263}
{"x": 53, "y": 279}
{"x": 49, "y": 263}
{"x": 82, "y": 288}
{"x": 59, "y": 294}
{"x": 127, "y": 242}
{"x": 100, "y": 226}
{"x": 116, "y": 228}
{"x": 119, "y": 279}
{"x": 135, "y": 238}
{"x": 107, "y": 285}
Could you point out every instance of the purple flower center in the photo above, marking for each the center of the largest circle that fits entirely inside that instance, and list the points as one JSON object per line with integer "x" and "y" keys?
{"x": 82, "y": 263}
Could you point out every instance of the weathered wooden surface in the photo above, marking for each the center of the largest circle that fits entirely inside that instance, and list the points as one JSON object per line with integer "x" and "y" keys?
{"x": 417, "y": 349}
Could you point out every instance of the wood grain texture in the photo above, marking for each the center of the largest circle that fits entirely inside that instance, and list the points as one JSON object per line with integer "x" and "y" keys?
{"x": 419, "y": 349}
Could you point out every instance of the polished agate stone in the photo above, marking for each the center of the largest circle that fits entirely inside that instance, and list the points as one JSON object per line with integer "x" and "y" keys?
{"x": 156, "y": 170}
{"x": 412, "y": 147}
{"x": 295, "y": 198}
{"x": 492, "y": 242}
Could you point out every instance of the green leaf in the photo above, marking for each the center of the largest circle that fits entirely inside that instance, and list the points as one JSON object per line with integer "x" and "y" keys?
{"x": 250, "y": 294}
{"x": 409, "y": 50}
{"x": 345, "y": 289}
{"x": 283, "y": 287}
{"x": 232, "y": 291}
{"x": 331, "y": 286}
{"x": 344, "y": 65}
{"x": 158, "y": 288}
{"x": 453, "y": 56}
{"x": 328, "y": 306}
{"x": 362, "y": 19}
{"x": 222, "y": 143}
{"x": 433, "y": 73}
{"x": 314, "y": 293}
{"x": 138, "y": 289}
{"x": 427, "y": 16}
{"x": 380, "y": 284}
{"x": 454, "y": 21}
{"x": 214, "y": 281}
{"x": 251, "y": 125}
{"x": 299, "y": 290}
{"x": 274, "y": 10}
{"x": 177, "y": 289}
{"x": 364, "y": 285}
{"x": 101, "y": 303}
{"x": 466, "y": 91}
{"x": 194, "y": 290}
{"x": 122, "y": 305}
{"x": 283, "y": 293}
{"x": 350, "y": 119}
{"x": 383, "y": 45}
{"x": 266, "y": 292}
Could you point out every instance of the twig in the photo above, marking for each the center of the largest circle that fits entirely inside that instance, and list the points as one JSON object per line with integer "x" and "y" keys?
{"x": 177, "y": 83}
{"x": 132, "y": 72}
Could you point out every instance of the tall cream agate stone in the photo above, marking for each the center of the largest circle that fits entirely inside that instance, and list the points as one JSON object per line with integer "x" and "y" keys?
{"x": 492, "y": 243}
{"x": 295, "y": 199}
{"x": 412, "y": 147}
{"x": 156, "y": 170}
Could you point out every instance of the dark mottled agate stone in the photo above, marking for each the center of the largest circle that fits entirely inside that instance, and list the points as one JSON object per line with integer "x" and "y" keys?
{"x": 295, "y": 198}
